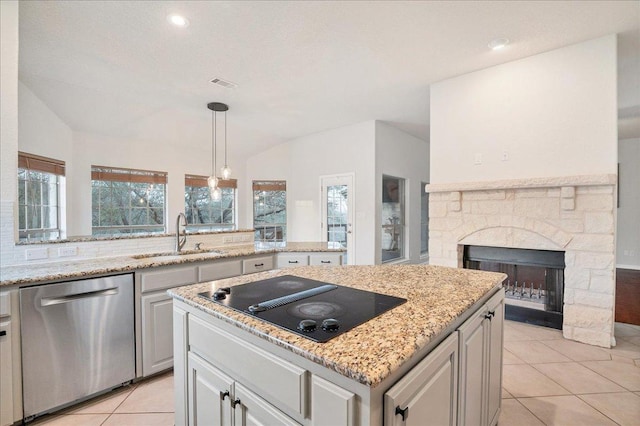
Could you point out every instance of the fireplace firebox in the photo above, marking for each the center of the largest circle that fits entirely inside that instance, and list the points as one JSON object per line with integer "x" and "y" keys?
{"x": 534, "y": 288}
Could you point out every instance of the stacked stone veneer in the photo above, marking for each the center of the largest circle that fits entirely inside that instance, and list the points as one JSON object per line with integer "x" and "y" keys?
{"x": 574, "y": 214}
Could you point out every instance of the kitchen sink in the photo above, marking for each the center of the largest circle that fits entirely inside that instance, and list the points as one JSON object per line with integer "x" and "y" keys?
{"x": 174, "y": 254}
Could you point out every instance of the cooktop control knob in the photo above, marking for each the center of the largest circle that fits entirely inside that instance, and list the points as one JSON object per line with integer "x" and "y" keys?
{"x": 219, "y": 295}
{"x": 307, "y": 325}
{"x": 330, "y": 324}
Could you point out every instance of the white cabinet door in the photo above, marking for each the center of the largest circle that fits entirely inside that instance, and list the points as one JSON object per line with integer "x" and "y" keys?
{"x": 496, "y": 340}
{"x": 157, "y": 332}
{"x": 210, "y": 394}
{"x": 428, "y": 393}
{"x": 331, "y": 405}
{"x": 251, "y": 410}
{"x": 481, "y": 340}
{"x": 472, "y": 337}
{"x": 6, "y": 373}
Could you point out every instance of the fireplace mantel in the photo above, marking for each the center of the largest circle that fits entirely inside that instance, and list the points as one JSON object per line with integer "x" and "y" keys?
{"x": 540, "y": 182}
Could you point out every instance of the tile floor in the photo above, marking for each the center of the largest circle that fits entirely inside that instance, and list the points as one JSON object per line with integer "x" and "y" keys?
{"x": 547, "y": 381}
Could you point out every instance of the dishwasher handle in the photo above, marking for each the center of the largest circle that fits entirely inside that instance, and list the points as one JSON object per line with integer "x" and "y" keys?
{"x": 48, "y": 301}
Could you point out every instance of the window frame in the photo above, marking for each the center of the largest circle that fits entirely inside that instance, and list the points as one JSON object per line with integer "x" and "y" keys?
{"x": 424, "y": 225}
{"x": 128, "y": 176}
{"x": 198, "y": 181}
{"x": 260, "y": 188}
{"x": 394, "y": 229}
{"x": 32, "y": 165}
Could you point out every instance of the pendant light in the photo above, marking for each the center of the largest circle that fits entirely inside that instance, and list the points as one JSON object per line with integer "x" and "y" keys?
{"x": 212, "y": 180}
{"x": 226, "y": 170}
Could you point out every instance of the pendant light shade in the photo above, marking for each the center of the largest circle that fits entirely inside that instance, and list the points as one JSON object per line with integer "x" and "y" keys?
{"x": 216, "y": 194}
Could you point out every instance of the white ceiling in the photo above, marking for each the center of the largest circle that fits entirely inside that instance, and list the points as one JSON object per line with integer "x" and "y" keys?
{"x": 120, "y": 69}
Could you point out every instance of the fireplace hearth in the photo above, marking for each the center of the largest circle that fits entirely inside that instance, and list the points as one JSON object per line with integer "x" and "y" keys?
{"x": 534, "y": 288}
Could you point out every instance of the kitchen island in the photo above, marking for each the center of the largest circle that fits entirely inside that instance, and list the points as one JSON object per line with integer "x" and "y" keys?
{"x": 437, "y": 355}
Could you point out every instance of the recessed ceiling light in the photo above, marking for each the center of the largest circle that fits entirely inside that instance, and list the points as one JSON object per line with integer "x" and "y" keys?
{"x": 178, "y": 20}
{"x": 498, "y": 43}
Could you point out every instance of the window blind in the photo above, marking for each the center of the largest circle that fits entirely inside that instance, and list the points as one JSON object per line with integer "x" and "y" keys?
{"x": 40, "y": 164}
{"x": 197, "y": 180}
{"x": 116, "y": 174}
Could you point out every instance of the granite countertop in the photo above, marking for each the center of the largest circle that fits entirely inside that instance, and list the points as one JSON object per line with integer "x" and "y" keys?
{"x": 369, "y": 353}
{"x": 70, "y": 269}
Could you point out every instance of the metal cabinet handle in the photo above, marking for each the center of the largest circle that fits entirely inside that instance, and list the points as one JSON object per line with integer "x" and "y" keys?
{"x": 235, "y": 402}
{"x": 48, "y": 301}
{"x": 258, "y": 265}
{"x": 325, "y": 261}
{"x": 223, "y": 395}
{"x": 404, "y": 413}
{"x": 293, "y": 261}
{"x": 490, "y": 315}
{"x": 3, "y": 333}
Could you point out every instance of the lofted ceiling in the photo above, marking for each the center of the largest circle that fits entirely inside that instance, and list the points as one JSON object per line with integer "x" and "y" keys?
{"x": 119, "y": 68}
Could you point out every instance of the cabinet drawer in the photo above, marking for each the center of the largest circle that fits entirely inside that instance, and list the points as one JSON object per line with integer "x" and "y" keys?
{"x": 292, "y": 260}
{"x": 219, "y": 270}
{"x": 257, "y": 264}
{"x": 167, "y": 278}
{"x": 277, "y": 381}
{"x": 319, "y": 259}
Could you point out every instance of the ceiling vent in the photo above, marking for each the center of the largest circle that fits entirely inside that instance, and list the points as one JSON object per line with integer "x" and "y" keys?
{"x": 224, "y": 83}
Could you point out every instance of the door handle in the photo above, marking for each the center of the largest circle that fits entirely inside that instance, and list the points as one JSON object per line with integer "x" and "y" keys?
{"x": 48, "y": 301}
{"x": 235, "y": 402}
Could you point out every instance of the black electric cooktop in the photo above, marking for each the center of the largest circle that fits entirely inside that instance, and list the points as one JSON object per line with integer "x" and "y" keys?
{"x": 314, "y": 309}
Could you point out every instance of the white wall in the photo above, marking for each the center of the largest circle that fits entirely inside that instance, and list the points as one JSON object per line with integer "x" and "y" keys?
{"x": 302, "y": 161}
{"x": 9, "y": 124}
{"x": 554, "y": 114}
{"x": 628, "y": 227}
{"x": 401, "y": 155}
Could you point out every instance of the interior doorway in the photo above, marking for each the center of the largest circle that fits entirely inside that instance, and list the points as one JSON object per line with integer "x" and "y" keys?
{"x": 337, "y": 197}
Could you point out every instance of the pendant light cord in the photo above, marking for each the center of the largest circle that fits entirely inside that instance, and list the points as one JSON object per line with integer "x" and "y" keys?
{"x": 213, "y": 149}
{"x": 225, "y": 139}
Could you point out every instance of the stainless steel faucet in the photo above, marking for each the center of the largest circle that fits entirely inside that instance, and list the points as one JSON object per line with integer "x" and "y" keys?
{"x": 180, "y": 242}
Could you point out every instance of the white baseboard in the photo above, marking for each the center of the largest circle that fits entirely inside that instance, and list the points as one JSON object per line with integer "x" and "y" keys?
{"x": 634, "y": 267}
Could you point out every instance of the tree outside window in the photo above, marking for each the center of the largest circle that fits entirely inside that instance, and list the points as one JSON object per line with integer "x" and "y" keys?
{"x": 127, "y": 201}
{"x": 205, "y": 214}
{"x": 270, "y": 211}
{"x": 393, "y": 232}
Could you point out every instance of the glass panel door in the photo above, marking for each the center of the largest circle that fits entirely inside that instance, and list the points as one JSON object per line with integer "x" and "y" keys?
{"x": 337, "y": 213}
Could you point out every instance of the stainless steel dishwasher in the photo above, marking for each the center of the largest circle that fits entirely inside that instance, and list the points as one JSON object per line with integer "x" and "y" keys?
{"x": 77, "y": 340}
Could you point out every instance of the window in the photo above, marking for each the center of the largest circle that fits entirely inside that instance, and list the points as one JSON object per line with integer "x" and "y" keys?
{"x": 392, "y": 218}
{"x": 205, "y": 214}
{"x": 270, "y": 210}
{"x": 39, "y": 180}
{"x": 424, "y": 219}
{"x": 127, "y": 201}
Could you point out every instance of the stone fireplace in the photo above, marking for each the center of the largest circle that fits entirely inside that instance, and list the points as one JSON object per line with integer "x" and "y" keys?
{"x": 573, "y": 214}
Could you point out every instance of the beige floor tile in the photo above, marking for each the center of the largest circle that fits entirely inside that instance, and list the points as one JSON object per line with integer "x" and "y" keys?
{"x": 635, "y": 340}
{"x": 536, "y": 332}
{"x": 626, "y": 360}
{"x": 577, "y": 378}
{"x": 154, "y": 396}
{"x": 622, "y": 330}
{"x": 565, "y": 410}
{"x": 72, "y": 420}
{"x": 509, "y": 358}
{"x": 626, "y": 375}
{"x": 525, "y": 381}
{"x": 505, "y": 394}
{"x": 625, "y": 349}
{"x": 514, "y": 413}
{"x": 623, "y": 408}
{"x": 103, "y": 404}
{"x": 140, "y": 419}
{"x": 578, "y": 351}
{"x": 534, "y": 352}
{"x": 511, "y": 334}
